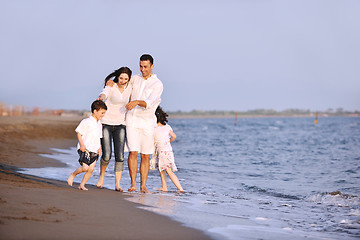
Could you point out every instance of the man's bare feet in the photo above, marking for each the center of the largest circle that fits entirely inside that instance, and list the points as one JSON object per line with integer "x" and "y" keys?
{"x": 83, "y": 188}
{"x": 145, "y": 190}
{"x": 132, "y": 189}
{"x": 162, "y": 189}
{"x": 71, "y": 179}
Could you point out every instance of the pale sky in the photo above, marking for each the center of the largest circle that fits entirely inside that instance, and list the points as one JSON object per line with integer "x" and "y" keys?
{"x": 210, "y": 55}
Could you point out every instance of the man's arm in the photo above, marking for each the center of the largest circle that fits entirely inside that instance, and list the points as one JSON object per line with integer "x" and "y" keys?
{"x": 152, "y": 99}
{"x": 135, "y": 103}
{"x": 155, "y": 96}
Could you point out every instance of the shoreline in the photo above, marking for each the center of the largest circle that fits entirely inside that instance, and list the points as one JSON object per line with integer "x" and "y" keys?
{"x": 254, "y": 116}
{"x": 45, "y": 208}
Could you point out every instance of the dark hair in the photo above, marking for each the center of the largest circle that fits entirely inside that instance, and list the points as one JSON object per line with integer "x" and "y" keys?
{"x": 146, "y": 57}
{"x": 97, "y": 105}
{"x": 117, "y": 73}
{"x": 161, "y": 116}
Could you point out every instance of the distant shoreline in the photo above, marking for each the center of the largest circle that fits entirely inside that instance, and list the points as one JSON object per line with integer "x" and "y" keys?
{"x": 189, "y": 116}
{"x": 257, "y": 113}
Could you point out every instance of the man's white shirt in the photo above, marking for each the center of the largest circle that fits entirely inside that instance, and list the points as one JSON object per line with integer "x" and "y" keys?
{"x": 150, "y": 91}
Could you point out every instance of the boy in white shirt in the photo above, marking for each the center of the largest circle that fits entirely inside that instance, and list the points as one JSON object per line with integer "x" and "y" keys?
{"x": 89, "y": 132}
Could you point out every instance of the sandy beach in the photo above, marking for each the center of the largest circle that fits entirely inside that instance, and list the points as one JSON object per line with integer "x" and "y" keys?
{"x": 39, "y": 208}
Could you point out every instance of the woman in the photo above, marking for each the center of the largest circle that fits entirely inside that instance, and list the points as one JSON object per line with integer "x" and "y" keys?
{"x": 114, "y": 130}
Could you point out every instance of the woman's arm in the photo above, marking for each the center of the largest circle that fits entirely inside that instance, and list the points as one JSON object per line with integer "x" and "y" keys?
{"x": 101, "y": 97}
{"x": 106, "y": 92}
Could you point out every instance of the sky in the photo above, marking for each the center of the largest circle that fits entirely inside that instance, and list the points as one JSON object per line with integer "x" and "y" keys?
{"x": 210, "y": 55}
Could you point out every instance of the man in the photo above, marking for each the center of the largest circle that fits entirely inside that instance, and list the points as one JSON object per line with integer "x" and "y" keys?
{"x": 141, "y": 120}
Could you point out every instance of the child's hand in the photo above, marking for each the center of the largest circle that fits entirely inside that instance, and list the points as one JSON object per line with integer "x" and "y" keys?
{"x": 82, "y": 148}
{"x": 99, "y": 151}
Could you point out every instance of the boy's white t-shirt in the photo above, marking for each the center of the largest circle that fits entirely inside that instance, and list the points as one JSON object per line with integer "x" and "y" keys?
{"x": 91, "y": 132}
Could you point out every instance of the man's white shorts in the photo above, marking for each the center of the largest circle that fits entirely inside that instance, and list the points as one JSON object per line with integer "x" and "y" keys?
{"x": 140, "y": 140}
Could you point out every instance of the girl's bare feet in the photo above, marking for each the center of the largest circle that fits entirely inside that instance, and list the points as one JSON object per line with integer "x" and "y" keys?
{"x": 162, "y": 189}
{"x": 119, "y": 189}
{"x": 132, "y": 189}
{"x": 100, "y": 183}
{"x": 145, "y": 190}
{"x": 71, "y": 179}
{"x": 83, "y": 188}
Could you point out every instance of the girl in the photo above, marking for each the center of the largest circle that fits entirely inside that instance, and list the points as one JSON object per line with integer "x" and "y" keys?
{"x": 163, "y": 158}
{"x": 113, "y": 123}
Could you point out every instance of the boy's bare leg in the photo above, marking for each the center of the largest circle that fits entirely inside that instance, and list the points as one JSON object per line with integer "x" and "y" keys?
{"x": 72, "y": 175}
{"x": 117, "y": 181}
{"x": 144, "y": 172}
{"x": 174, "y": 179}
{"x": 100, "y": 182}
{"x": 163, "y": 181}
{"x": 133, "y": 165}
{"x": 87, "y": 175}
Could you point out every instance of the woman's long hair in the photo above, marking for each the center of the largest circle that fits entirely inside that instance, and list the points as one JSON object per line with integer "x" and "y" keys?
{"x": 115, "y": 75}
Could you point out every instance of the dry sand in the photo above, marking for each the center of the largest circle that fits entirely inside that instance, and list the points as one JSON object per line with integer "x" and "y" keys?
{"x": 39, "y": 208}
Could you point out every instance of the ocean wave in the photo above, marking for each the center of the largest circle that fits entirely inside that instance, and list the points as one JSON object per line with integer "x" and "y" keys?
{"x": 269, "y": 192}
{"x": 335, "y": 198}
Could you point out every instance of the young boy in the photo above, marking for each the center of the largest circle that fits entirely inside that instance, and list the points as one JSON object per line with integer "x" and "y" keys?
{"x": 89, "y": 132}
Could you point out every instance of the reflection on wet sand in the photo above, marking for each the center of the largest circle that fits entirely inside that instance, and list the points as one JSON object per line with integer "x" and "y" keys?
{"x": 160, "y": 203}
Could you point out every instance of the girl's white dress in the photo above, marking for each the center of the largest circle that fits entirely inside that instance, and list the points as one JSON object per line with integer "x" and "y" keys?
{"x": 163, "y": 157}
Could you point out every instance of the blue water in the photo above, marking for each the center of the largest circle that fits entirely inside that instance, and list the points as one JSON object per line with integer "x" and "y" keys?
{"x": 263, "y": 178}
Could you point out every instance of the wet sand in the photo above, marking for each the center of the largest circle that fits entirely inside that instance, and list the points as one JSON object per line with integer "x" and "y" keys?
{"x": 39, "y": 208}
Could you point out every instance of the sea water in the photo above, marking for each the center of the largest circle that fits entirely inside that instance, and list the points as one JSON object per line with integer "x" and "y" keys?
{"x": 257, "y": 178}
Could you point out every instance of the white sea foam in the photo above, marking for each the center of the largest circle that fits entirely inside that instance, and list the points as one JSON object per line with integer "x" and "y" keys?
{"x": 254, "y": 232}
{"x": 262, "y": 219}
{"x": 339, "y": 200}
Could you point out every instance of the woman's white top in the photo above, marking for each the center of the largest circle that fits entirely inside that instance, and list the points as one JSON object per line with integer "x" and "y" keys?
{"x": 116, "y": 102}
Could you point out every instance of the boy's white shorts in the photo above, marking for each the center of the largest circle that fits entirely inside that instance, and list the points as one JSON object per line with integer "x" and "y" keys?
{"x": 140, "y": 140}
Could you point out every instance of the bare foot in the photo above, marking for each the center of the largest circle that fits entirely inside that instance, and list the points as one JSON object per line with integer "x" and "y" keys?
{"x": 162, "y": 189}
{"x": 180, "y": 191}
{"x": 119, "y": 189}
{"x": 145, "y": 190}
{"x": 100, "y": 183}
{"x": 71, "y": 179}
{"x": 132, "y": 189}
{"x": 83, "y": 188}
